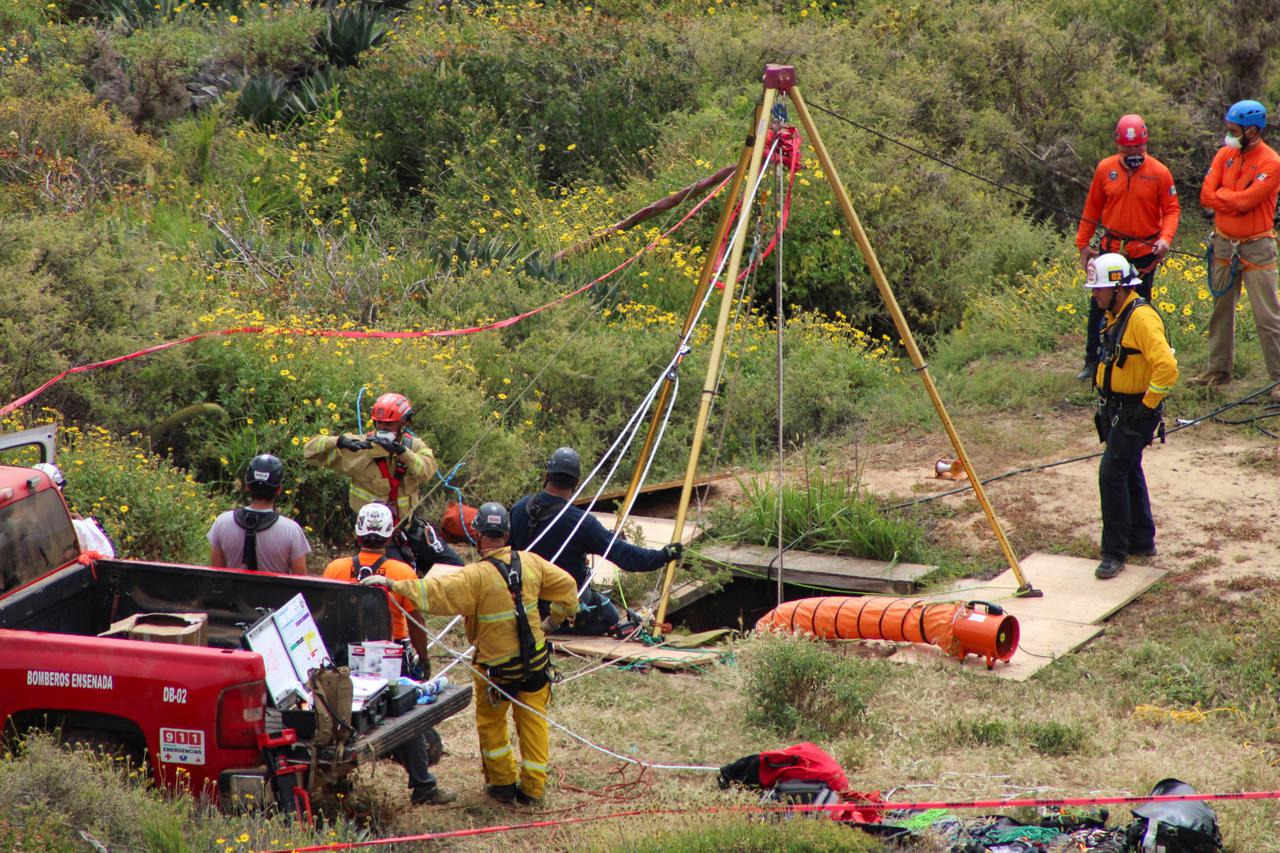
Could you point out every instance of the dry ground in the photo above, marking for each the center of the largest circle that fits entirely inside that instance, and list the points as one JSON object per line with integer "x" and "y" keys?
{"x": 1214, "y": 490}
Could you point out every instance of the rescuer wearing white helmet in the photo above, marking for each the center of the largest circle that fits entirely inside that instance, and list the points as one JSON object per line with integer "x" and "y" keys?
{"x": 89, "y": 534}
{"x": 374, "y": 528}
{"x": 1136, "y": 371}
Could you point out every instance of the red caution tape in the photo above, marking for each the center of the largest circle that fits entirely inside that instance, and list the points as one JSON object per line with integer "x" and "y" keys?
{"x": 916, "y": 806}
{"x": 340, "y": 333}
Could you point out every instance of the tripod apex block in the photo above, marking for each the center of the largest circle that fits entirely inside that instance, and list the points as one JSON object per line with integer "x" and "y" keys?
{"x": 780, "y": 77}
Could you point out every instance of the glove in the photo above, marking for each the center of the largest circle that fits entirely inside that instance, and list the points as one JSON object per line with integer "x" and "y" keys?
{"x": 672, "y": 552}
{"x": 376, "y": 580}
{"x": 1087, "y": 254}
{"x": 395, "y": 448}
{"x": 346, "y": 442}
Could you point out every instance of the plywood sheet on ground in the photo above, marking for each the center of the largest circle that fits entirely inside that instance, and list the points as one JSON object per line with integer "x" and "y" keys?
{"x": 1042, "y": 642}
{"x": 662, "y": 657}
{"x": 651, "y": 488}
{"x": 1070, "y": 613}
{"x": 823, "y": 570}
{"x": 657, "y": 532}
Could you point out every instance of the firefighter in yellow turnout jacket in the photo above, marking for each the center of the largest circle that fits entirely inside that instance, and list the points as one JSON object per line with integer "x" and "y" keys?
{"x": 388, "y": 465}
{"x": 498, "y": 600}
{"x": 1137, "y": 370}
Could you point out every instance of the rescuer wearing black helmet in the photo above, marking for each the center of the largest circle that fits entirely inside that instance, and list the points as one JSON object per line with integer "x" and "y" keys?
{"x": 256, "y": 537}
{"x": 573, "y": 535}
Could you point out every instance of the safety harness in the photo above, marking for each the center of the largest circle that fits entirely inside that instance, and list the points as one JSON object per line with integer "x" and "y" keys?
{"x": 531, "y": 670}
{"x": 1114, "y": 354}
{"x": 359, "y": 572}
{"x": 252, "y": 522}
{"x": 394, "y": 477}
{"x": 1238, "y": 266}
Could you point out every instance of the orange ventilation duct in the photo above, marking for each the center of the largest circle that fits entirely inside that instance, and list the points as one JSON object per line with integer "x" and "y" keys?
{"x": 977, "y": 628}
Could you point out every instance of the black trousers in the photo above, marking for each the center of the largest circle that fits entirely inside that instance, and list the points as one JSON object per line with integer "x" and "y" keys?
{"x": 1093, "y": 336}
{"x": 415, "y": 758}
{"x": 1127, "y": 525}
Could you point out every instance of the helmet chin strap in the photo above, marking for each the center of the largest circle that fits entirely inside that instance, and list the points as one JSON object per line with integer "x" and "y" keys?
{"x": 1115, "y": 294}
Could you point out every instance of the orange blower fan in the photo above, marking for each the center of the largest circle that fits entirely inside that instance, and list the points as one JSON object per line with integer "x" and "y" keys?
{"x": 959, "y": 629}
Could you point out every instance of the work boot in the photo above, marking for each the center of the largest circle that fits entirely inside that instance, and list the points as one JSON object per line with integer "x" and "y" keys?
{"x": 1212, "y": 379}
{"x": 503, "y": 793}
{"x": 1108, "y": 568}
{"x": 525, "y": 800}
{"x": 432, "y": 795}
{"x": 1087, "y": 372}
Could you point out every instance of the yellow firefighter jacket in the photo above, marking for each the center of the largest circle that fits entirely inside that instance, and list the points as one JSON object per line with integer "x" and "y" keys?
{"x": 368, "y": 483}
{"x": 1149, "y": 366}
{"x": 479, "y": 593}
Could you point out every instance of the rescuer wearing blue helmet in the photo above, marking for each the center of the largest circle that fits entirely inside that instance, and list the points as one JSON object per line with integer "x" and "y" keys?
{"x": 1240, "y": 188}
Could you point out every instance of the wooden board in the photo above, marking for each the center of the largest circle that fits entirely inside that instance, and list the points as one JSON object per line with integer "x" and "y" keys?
{"x": 685, "y": 593}
{"x": 824, "y": 570}
{"x": 1070, "y": 613}
{"x": 657, "y": 532}
{"x": 651, "y": 488}
{"x": 1042, "y": 641}
{"x": 661, "y": 657}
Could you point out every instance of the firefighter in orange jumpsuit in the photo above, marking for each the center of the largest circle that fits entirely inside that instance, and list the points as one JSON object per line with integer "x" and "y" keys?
{"x": 1133, "y": 197}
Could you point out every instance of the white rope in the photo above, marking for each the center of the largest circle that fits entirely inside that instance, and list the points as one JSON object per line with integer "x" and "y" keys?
{"x": 461, "y": 658}
{"x": 633, "y": 423}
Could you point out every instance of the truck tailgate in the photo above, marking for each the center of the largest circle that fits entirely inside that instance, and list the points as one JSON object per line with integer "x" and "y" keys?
{"x": 395, "y": 731}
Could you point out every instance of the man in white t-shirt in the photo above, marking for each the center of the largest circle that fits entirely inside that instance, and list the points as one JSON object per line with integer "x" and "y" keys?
{"x": 256, "y": 537}
{"x": 89, "y": 534}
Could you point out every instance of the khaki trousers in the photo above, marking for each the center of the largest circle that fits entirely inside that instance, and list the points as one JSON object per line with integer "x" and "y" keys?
{"x": 1261, "y": 285}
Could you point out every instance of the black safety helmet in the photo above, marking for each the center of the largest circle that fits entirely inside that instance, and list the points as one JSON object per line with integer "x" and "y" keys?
{"x": 492, "y": 519}
{"x": 264, "y": 469}
{"x": 565, "y": 461}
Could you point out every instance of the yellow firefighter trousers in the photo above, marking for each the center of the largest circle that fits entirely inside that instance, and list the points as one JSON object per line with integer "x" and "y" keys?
{"x": 495, "y": 743}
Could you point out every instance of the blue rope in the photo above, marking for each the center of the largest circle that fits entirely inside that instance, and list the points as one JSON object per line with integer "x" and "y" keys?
{"x": 446, "y": 481}
{"x": 359, "y": 417}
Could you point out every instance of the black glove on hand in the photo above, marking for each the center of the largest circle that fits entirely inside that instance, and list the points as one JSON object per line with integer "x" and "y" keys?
{"x": 346, "y": 442}
{"x": 671, "y": 552}
{"x": 395, "y": 448}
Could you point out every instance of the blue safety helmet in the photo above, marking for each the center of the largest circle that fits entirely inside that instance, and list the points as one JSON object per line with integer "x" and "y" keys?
{"x": 1247, "y": 114}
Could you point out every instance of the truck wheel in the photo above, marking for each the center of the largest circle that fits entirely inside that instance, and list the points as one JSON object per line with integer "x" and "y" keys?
{"x": 103, "y": 743}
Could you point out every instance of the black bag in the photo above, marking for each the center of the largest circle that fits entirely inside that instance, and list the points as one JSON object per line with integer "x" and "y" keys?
{"x": 1188, "y": 826}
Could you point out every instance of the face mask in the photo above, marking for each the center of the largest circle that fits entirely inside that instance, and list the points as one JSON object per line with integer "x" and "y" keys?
{"x": 384, "y": 435}
{"x": 1231, "y": 141}
{"x": 1133, "y": 161}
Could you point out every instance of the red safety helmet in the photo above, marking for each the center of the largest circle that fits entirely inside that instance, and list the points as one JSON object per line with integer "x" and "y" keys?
{"x": 1131, "y": 130}
{"x": 392, "y": 407}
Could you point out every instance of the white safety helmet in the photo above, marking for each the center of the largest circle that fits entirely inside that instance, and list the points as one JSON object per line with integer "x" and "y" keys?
{"x": 1111, "y": 270}
{"x": 375, "y": 520}
{"x": 53, "y": 471}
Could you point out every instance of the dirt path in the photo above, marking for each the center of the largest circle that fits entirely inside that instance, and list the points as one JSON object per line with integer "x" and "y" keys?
{"x": 1215, "y": 495}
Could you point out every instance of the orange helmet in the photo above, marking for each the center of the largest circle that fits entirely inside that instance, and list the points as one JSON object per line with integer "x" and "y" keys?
{"x": 392, "y": 407}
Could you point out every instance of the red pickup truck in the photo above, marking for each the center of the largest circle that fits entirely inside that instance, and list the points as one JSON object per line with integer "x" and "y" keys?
{"x": 200, "y": 715}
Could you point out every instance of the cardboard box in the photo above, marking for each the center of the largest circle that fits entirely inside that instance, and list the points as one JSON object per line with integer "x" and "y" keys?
{"x": 185, "y": 629}
{"x": 380, "y": 658}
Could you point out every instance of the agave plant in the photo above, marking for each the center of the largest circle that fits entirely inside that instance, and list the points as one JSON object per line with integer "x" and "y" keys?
{"x": 349, "y": 32}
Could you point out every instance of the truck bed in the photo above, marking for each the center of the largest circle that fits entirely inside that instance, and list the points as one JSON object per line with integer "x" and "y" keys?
{"x": 86, "y": 600}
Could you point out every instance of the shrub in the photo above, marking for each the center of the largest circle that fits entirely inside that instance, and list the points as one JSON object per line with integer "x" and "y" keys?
{"x": 978, "y": 731}
{"x": 148, "y": 508}
{"x": 281, "y": 44}
{"x": 799, "y": 688}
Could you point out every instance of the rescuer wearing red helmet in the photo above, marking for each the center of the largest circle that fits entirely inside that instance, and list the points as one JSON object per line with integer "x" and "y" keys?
{"x": 1240, "y": 188}
{"x": 1134, "y": 199}
{"x": 388, "y": 465}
